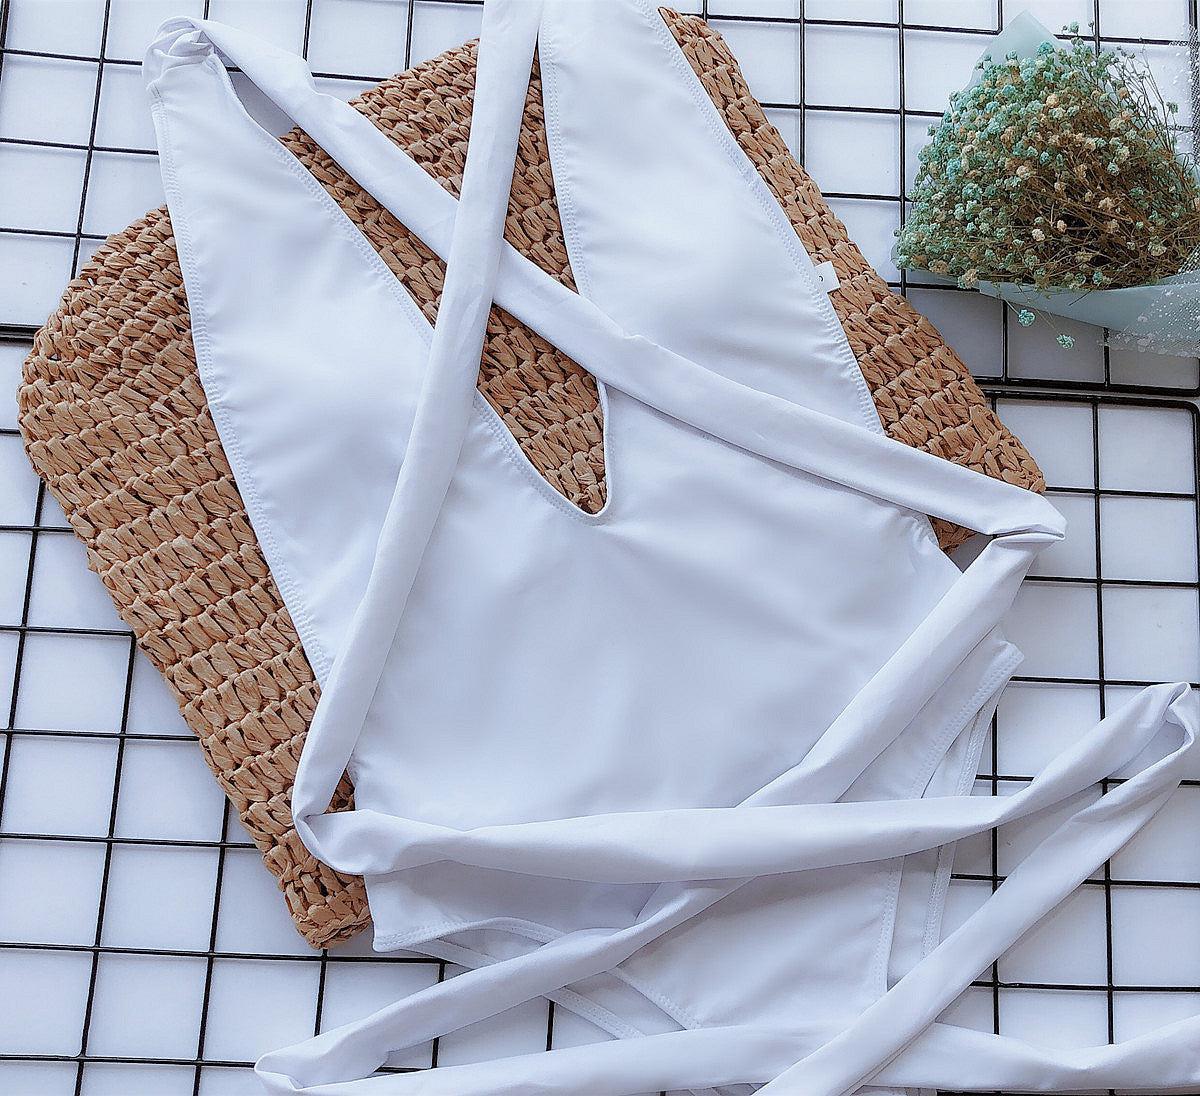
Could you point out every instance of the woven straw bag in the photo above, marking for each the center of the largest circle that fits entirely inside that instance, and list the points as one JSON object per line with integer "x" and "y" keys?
{"x": 115, "y": 420}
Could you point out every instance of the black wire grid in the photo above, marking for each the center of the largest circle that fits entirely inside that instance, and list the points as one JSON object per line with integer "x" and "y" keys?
{"x": 201, "y": 1070}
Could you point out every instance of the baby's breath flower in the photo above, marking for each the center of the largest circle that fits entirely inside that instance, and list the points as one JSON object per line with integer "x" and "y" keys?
{"x": 1054, "y": 169}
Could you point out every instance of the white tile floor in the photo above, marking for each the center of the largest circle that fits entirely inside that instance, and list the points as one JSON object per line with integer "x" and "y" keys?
{"x": 160, "y": 950}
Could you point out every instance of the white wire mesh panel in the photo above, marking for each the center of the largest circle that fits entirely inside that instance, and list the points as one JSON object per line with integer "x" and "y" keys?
{"x": 143, "y": 946}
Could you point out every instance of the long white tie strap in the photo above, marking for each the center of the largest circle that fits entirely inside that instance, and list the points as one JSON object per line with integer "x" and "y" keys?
{"x": 684, "y": 844}
{"x": 942, "y": 1057}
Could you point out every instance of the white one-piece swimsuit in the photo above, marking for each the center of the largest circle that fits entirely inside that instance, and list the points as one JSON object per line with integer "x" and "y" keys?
{"x": 693, "y": 766}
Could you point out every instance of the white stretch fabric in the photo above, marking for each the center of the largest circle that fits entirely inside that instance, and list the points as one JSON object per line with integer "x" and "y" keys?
{"x": 692, "y": 767}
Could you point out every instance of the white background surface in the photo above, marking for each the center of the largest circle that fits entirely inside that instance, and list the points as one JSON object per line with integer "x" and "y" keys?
{"x": 143, "y": 946}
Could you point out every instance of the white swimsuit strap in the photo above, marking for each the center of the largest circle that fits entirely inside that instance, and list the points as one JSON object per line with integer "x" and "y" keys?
{"x": 1021, "y": 523}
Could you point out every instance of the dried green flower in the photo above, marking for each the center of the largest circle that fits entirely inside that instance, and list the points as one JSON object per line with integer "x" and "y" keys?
{"x": 1060, "y": 169}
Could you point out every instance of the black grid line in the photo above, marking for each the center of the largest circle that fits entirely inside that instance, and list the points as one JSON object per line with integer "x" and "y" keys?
{"x": 1046, "y": 391}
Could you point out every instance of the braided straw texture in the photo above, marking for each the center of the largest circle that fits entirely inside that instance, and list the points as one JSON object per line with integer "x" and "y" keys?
{"x": 115, "y": 421}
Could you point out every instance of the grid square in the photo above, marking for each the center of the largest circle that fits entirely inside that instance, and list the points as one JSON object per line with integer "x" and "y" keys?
{"x": 1034, "y": 353}
{"x": 1067, "y": 946}
{"x": 1148, "y": 538}
{"x": 67, "y": 26}
{"x": 355, "y": 990}
{"x": 252, "y": 918}
{"x": 47, "y": 100}
{"x": 441, "y": 26}
{"x": 49, "y": 1021}
{"x": 167, "y": 792}
{"x": 43, "y": 265}
{"x": 769, "y": 56}
{"x": 63, "y": 880}
{"x": 280, "y": 22}
{"x": 1138, "y": 368}
{"x": 1052, "y": 14}
{"x": 915, "y": 131}
{"x": 1059, "y": 436}
{"x": 1054, "y": 1018}
{"x": 132, "y": 23}
{"x": 952, "y": 13}
{"x": 43, "y": 1078}
{"x": 65, "y": 594}
{"x": 878, "y": 11}
{"x": 12, "y": 355}
{"x": 18, "y": 484}
{"x": 760, "y": 9}
{"x": 873, "y": 169}
{"x": 1156, "y": 852}
{"x": 42, "y": 188}
{"x": 9, "y": 643}
{"x": 937, "y": 65}
{"x": 142, "y": 1079}
{"x": 1036, "y": 721}
{"x": 1055, "y": 627}
{"x": 970, "y": 323}
{"x": 123, "y": 187}
{"x": 153, "y": 708}
{"x": 14, "y": 569}
{"x": 146, "y": 1006}
{"x": 1146, "y": 449}
{"x": 256, "y": 1006}
{"x": 1075, "y": 555}
{"x": 1137, "y": 1013}
{"x": 1137, "y": 19}
{"x": 1151, "y": 633}
{"x": 871, "y": 225}
{"x": 59, "y": 785}
{"x": 96, "y": 667}
{"x": 1155, "y": 942}
{"x": 851, "y": 67}
{"x": 358, "y": 36}
{"x": 124, "y": 119}
{"x": 159, "y": 898}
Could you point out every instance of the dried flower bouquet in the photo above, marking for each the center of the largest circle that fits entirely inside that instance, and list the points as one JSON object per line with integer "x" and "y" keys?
{"x": 1055, "y": 181}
